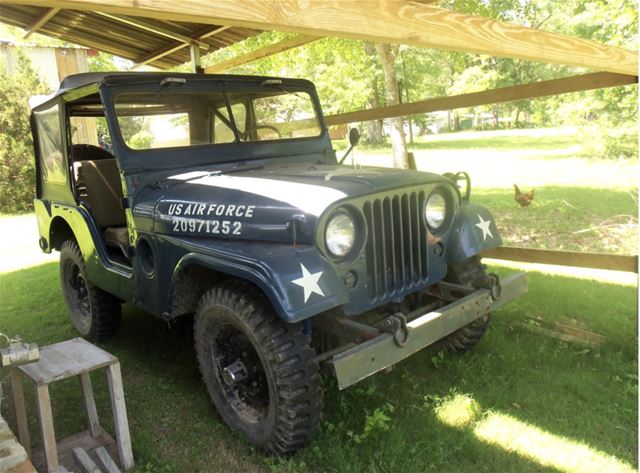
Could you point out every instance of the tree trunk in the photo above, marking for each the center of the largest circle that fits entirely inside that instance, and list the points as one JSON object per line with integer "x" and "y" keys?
{"x": 398, "y": 142}
{"x": 374, "y": 127}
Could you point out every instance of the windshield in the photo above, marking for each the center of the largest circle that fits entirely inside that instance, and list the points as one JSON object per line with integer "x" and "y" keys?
{"x": 176, "y": 117}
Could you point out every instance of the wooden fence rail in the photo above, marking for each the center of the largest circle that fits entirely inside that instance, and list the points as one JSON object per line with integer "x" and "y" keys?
{"x": 565, "y": 258}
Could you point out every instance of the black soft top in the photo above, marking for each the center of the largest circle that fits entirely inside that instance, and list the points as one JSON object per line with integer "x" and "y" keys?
{"x": 76, "y": 81}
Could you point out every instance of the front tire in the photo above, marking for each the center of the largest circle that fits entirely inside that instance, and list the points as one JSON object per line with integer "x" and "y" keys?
{"x": 260, "y": 371}
{"x": 471, "y": 273}
{"x": 94, "y": 313}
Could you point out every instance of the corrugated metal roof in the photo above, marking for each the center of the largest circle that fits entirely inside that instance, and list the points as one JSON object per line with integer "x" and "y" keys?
{"x": 93, "y": 30}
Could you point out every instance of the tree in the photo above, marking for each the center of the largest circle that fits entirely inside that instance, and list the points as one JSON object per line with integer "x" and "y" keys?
{"x": 17, "y": 169}
{"x": 387, "y": 55}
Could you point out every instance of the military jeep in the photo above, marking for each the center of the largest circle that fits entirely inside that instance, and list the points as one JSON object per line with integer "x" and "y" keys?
{"x": 221, "y": 197}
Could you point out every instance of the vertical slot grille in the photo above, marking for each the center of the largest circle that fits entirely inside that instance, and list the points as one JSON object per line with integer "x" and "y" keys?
{"x": 397, "y": 243}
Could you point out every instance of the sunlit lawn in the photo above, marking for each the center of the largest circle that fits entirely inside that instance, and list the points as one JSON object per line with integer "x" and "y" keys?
{"x": 520, "y": 402}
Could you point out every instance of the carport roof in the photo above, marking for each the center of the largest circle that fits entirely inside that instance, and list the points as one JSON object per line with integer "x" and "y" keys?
{"x": 159, "y": 43}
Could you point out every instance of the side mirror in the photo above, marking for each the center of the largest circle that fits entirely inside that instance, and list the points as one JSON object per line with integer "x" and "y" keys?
{"x": 354, "y": 136}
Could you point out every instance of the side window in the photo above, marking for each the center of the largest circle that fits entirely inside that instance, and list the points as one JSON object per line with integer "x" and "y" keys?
{"x": 50, "y": 144}
{"x": 90, "y": 131}
{"x": 222, "y": 132}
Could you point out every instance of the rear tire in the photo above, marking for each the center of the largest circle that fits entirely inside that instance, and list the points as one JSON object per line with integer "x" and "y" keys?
{"x": 259, "y": 370}
{"x": 471, "y": 273}
{"x": 94, "y": 313}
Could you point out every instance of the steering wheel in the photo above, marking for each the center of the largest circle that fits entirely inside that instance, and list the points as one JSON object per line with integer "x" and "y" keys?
{"x": 268, "y": 127}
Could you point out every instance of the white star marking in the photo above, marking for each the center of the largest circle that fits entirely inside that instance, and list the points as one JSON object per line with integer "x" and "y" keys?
{"x": 484, "y": 226}
{"x": 309, "y": 282}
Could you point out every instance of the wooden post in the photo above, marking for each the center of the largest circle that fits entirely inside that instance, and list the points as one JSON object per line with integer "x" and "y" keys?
{"x": 119, "y": 410}
{"x": 90, "y": 404}
{"x": 21, "y": 412}
{"x": 46, "y": 427}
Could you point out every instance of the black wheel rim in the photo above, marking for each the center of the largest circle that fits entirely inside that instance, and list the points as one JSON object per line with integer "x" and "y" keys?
{"x": 79, "y": 300}
{"x": 248, "y": 395}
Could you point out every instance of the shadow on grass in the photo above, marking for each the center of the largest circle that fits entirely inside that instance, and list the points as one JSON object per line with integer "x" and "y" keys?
{"x": 583, "y": 395}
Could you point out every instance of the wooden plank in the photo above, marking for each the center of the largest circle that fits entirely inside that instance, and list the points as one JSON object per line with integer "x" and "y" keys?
{"x": 597, "y": 80}
{"x": 565, "y": 258}
{"x": 40, "y": 21}
{"x": 20, "y": 410}
{"x": 46, "y": 428}
{"x": 65, "y": 359}
{"x": 90, "y": 404}
{"x": 385, "y": 21}
{"x": 120, "y": 421}
{"x": 261, "y": 53}
{"x": 81, "y": 439}
{"x": 151, "y": 28}
{"x": 173, "y": 47}
{"x": 87, "y": 465}
{"x": 106, "y": 461}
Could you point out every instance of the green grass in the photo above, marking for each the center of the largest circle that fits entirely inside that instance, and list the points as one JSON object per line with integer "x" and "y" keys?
{"x": 586, "y": 397}
{"x": 567, "y": 218}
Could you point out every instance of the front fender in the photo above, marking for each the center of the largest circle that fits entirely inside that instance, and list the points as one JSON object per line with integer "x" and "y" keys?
{"x": 298, "y": 281}
{"x": 474, "y": 230}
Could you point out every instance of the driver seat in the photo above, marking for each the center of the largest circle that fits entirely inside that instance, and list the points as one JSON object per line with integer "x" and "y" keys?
{"x": 104, "y": 196}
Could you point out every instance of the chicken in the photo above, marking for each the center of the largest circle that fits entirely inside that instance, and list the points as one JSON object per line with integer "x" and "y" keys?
{"x": 523, "y": 198}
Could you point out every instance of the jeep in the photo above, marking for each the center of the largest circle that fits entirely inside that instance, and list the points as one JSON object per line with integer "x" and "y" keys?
{"x": 221, "y": 197}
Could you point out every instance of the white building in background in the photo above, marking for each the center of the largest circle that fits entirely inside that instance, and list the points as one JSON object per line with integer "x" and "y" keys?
{"x": 51, "y": 64}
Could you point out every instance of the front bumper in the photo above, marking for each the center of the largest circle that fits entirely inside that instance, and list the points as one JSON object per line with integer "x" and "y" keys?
{"x": 365, "y": 359}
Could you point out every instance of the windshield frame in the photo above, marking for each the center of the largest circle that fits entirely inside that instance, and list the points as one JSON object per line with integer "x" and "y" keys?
{"x": 215, "y": 86}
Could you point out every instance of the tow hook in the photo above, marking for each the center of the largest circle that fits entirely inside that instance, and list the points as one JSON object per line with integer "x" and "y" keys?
{"x": 494, "y": 286}
{"x": 396, "y": 325}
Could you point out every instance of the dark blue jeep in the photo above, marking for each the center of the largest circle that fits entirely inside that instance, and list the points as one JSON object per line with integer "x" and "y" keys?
{"x": 221, "y": 196}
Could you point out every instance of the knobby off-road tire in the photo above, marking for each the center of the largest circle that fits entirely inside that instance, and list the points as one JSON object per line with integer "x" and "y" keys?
{"x": 468, "y": 273}
{"x": 94, "y": 313}
{"x": 276, "y": 400}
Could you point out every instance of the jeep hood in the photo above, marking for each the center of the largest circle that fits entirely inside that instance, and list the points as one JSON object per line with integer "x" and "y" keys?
{"x": 265, "y": 203}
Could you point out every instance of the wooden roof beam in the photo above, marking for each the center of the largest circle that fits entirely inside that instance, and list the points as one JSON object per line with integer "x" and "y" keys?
{"x": 261, "y": 53}
{"x": 597, "y": 80}
{"x": 40, "y": 21}
{"x": 143, "y": 25}
{"x": 384, "y": 21}
{"x": 173, "y": 47}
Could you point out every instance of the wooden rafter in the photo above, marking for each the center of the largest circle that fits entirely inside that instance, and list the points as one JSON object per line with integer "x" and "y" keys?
{"x": 144, "y": 25}
{"x": 565, "y": 258}
{"x": 596, "y": 80}
{"x": 173, "y": 47}
{"x": 40, "y": 21}
{"x": 261, "y": 53}
{"x": 388, "y": 21}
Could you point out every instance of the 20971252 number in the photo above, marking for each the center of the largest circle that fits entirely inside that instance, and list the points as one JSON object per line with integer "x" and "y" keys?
{"x": 215, "y": 227}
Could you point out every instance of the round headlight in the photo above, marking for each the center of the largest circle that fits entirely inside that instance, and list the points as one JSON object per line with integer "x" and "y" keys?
{"x": 435, "y": 211}
{"x": 340, "y": 234}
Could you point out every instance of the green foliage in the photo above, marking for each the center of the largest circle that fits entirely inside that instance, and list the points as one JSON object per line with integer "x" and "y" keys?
{"x": 141, "y": 140}
{"x": 17, "y": 168}
{"x": 376, "y": 422}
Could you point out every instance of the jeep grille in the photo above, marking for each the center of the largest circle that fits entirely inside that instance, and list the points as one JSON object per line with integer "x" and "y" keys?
{"x": 396, "y": 246}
